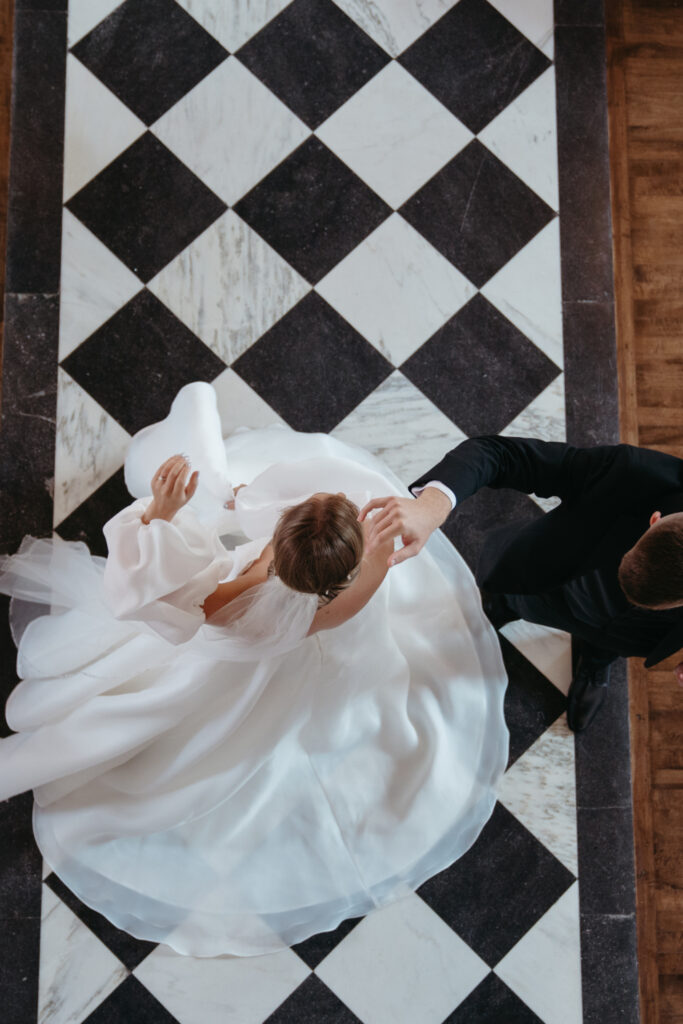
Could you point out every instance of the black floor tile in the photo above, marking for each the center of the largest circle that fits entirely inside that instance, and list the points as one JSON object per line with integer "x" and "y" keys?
{"x": 499, "y": 888}
{"x": 312, "y": 367}
{"x": 146, "y": 206}
{"x": 314, "y": 950}
{"x": 479, "y": 369}
{"x": 130, "y": 1002}
{"x": 85, "y": 522}
{"x": 312, "y": 1002}
{"x": 313, "y": 210}
{"x": 313, "y": 57}
{"x": 492, "y": 1002}
{"x": 477, "y": 213}
{"x": 136, "y": 362}
{"x": 149, "y": 53}
{"x": 532, "y": 702}
{"x": 474, "y": 61}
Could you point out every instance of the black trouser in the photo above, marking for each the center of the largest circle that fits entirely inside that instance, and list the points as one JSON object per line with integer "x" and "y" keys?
{"x": 550, "y": 609}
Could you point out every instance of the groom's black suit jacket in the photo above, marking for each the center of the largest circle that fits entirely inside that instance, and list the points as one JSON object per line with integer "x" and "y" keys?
{"x": 608, "y": 494}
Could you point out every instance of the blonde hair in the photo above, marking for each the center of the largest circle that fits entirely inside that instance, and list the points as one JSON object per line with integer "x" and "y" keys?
{"x": 318, "y": 545}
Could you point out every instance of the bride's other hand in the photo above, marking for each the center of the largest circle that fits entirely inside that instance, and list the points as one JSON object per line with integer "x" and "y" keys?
{"x": 231, "y": 504}
{"x": 411, "y": 519}
{"x": 171, "y": 489}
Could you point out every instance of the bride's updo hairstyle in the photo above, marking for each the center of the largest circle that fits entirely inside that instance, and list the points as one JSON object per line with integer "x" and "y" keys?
{"x": 318, "y": 545}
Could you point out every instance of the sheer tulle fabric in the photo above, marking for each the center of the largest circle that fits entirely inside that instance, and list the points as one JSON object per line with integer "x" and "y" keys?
{"x": 226, "y": 803}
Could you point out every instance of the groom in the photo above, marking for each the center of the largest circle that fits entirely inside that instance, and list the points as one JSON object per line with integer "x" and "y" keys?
{"x": 606, "y": 564}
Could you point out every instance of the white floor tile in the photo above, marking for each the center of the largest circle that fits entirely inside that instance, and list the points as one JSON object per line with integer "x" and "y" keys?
{"x": 233, "y": 22}
{"x": 97, "y": 127}
{"x": 396, "y": 289}
{"x": 524, "y": 136}
{"x": 540, "y": 790}
{"x": 535, "y": 18}
{"x": 224, "y": 990}
{"x": 89, "y": 447}
{"x": 85, "y": 14}
{"x": 229, "y": 286}
{"x": 548, "y": 649}
{"x": 77, "y": 972}
{"x": 395, "y": 24}
{"x": 230, "y": 130}
{"x": 394, "y": 134}
{"x": 545, "y": 417}
{"x": 544, "y": 968}
{"x": 402, "y": 964}
{"x": 240, "y": 406}
{"x": 402, "y": 427}
{"x": 528, "y": 291}
{"x": 94, "y": 284}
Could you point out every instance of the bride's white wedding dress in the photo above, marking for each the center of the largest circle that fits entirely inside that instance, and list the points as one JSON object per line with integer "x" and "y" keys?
{"x": 236, "y": 793}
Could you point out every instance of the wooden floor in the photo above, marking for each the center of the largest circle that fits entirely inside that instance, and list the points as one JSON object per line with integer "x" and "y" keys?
{"x": 645, "y": 49}
{"x": 645, "y": 74}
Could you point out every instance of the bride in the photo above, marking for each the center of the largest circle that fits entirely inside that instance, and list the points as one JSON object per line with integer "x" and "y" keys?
{"x": 240, "y": 730}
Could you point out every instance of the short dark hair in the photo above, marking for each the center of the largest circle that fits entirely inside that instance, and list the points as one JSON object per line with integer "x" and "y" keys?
{"x": 651, "y": 572}
{"x": 318, "y": 545}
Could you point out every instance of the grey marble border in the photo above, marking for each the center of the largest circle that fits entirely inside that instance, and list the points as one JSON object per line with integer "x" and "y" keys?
{"x": 27, "y": 437}
{"x": 27, "y": 454}
{"x": 603, "y": 757}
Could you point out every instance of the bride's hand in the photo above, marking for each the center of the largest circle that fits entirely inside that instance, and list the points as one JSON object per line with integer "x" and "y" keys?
{"x": 411, "y": 519}
{"x": 171, "y": 489}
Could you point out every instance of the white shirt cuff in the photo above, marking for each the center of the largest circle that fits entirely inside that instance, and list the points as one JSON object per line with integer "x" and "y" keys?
{"x": 417, "y": 491}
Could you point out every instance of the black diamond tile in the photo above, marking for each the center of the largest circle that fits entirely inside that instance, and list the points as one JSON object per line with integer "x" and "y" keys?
{"x": 499, "y": 888}
{"x": 313, "y": 57}
{"x": 130, "y": 1002}
{"x": 129, "y": 950}
{"x": 149, "y": 53}
{"x": 146, "y": 206}
{"x": 479, "y": 369}
{"x": 85, "y": 522}
{"x": 492, "y": 1002}
{"x": 474, "y": 61}
{"x": 477, "y": 213}
{"x": 312, "y": 1001}
{"x": 312, "y": 367}
{"x": 312, "y": 209}
{"x": 489, "y": 509}
{"x": 136, "y": 362}
{"x": 314, "y": 950}
{"x": 532, "y": 702}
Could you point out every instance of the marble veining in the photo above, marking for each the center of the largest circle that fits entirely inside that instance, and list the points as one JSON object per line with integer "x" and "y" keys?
{"x": 229, "y": 286}
{"x": 392, "y": 23}
{"x": 235, "y": 22}
{"x": 540, "y": 790}
{"x": 544, "y": 417}
{"x": 402, "y": 427}
{"x": 401, "y": 964}
{"x": 395, "y": 289}
{"x": 76, "y": 970}
{"x": 90, "y": 446}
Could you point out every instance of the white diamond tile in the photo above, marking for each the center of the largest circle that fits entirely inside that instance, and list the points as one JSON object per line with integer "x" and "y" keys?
{"x": 535, "y": 18}
{"x": 239, "y": 406}
{"x": 528, "y": 291}
{"x": 396, "y": 289}
{"x": 549, "y": 650}
{"x": 544, "y": 417}
{"x": 402, "y": 964}
{"x": 540, "y": 790}
{"x": 524, "y": 136}
{"x": 402, "y": 427}
{"x": 221, "y": 990}
{"x": 230, "y": 130}
{"x": 544, "y": 968}
{"x": 394, "y": 134}
{"x": 85, "y": 14}
{"x": 89, "y": 446}
{"x": 94, "y": 284}
{"x": 395, "y": 24}
{"x": 97, "y": 127}
{"x": 229, "y": 286}
{"x": 232, "y": 22}
{"x": 77, "y": 972}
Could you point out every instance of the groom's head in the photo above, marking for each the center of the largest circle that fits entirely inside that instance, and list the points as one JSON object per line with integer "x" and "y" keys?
{"x": 651, "y": 573}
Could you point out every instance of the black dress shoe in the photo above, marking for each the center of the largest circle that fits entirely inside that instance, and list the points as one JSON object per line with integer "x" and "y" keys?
{"x": 586, "y": 694}
{"x": 496, "y": 609}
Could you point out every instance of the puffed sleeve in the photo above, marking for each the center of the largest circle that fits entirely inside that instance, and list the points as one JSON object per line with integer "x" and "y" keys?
{"x": 161, "y": 572}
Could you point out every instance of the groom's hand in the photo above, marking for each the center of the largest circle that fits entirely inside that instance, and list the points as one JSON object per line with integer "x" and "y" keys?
{"x": 411, "y": 519}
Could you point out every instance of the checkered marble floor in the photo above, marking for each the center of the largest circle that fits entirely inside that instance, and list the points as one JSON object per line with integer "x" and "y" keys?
{"x": 345, "y": 216}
